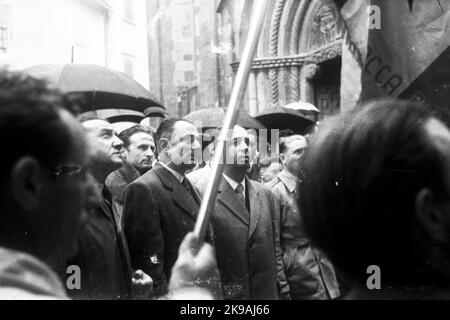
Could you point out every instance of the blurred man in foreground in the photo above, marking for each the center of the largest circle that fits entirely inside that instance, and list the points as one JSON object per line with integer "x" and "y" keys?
{"x": 42, "y": 187}
{"x": 376, "y": 198}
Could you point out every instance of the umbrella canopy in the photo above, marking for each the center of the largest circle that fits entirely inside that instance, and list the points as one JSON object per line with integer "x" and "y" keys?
{"x": 302, "y": 106}
{"x": 214, "y": 117}
{"x": 126, "y": 118}
{"x": 284, "y": 118}
{"x": 100, "y": 87}
{"x": 156, "y": 112}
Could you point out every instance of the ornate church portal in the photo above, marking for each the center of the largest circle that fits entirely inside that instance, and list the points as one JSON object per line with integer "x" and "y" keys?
{"x": 299, "y": 56}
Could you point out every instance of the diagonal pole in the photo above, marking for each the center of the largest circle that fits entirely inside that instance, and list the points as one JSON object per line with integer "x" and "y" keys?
{"x": 207, "y": 206}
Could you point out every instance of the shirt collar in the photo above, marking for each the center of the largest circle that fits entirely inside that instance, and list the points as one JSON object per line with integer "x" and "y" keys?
{"x": 233, "y": 184}
{"x": 178, "y": 176}
{"x": 289, "y": 180}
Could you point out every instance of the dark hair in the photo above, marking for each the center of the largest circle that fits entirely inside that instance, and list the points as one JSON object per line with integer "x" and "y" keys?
{"x": 30, "y": 121}
{"x": 166, "y": 129}
{"x": 363, "y": 171}
{"x": 286, "y": 139}
{"x": 125, "y": 135}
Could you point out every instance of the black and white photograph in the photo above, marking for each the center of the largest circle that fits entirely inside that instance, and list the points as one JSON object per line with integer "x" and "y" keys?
{"x": 240, "y": 151}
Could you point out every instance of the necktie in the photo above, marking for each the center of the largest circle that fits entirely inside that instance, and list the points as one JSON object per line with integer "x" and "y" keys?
{"x": 240, "y": 192}
{"x": 187, "y": 186}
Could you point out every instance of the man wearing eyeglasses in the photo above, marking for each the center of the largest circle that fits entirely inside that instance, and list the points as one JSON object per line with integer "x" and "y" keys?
{"x": 42, "y": 187}
{"x": 44, "y": 191}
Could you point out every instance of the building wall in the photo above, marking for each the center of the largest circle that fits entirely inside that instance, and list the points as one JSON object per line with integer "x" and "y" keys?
{"x": 182, "y": 60}
{"x": 80, "y": 31}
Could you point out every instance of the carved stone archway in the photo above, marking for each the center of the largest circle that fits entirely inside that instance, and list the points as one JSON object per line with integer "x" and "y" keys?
{"x": 298, "y": 38}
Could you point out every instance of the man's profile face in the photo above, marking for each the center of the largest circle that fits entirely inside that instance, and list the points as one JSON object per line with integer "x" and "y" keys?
{"x": 253, "y": 146}
{"x": 184, "y": 146}
{"x": 106, "y": 147}
{"x": 141, "y": 151}
{"x": 292, "y": 155}
{"x": 238, "y": 148}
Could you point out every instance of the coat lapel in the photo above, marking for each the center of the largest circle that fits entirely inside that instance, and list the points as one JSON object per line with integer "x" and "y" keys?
{"x": 228, "y": 199}
{"x": 255, "y": 207}
{"x": 180, "y": 195}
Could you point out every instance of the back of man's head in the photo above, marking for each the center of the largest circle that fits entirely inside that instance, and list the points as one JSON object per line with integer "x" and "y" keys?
{"x": 363, "y": 173}
{"x": 30, "y": 121}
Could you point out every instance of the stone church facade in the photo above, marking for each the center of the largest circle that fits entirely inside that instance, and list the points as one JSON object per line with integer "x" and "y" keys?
{"x": 298, "y": 56}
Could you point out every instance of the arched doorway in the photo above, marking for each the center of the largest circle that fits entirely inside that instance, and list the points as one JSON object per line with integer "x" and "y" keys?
{"x": 299, "y": 56}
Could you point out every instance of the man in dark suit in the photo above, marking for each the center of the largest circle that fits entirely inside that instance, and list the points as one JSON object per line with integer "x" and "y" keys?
{"x": 245, "y": 233}
{"x": 138, "y": 157}
{"x": 161, "y": 206}
{"x": 103, "y": 256}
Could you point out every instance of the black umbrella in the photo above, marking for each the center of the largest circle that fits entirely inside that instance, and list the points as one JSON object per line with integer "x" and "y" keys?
{"x": 156, "y": 112}
{"x": 100, "y": 88}
{"x": 285, "y": 118}
{"x": 214, "y": 117}
{"x": 126, "y": 118}
{"x": 209, "y": 118}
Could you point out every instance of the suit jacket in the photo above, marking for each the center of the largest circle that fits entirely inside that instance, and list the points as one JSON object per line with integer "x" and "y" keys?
{"x": 103, "y": 256}
{"x": 118, "y": 180}
{"x": 246, "y": 242}
{"x": 116, "y": 183}
{"x": 158, "y": 213}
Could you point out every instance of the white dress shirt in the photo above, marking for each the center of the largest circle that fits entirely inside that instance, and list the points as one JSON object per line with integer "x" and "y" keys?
{"x": 233, "y": 184}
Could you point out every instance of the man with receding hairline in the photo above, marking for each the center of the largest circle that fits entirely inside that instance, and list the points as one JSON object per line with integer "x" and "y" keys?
{"x": 103, "y": 255}
{"x": 161, "y": 206}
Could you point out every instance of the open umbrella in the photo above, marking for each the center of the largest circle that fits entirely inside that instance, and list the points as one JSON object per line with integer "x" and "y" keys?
{"x": 302, "y": 106}
{"x": 156, "y": 112}
{"x": 285, "y": 118}
{"x": 214, "y": 117}
{"x": 101, "y": 88}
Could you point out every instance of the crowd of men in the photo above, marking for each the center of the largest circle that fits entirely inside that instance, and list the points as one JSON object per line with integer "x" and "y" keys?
{"x": 370, "y": 187}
